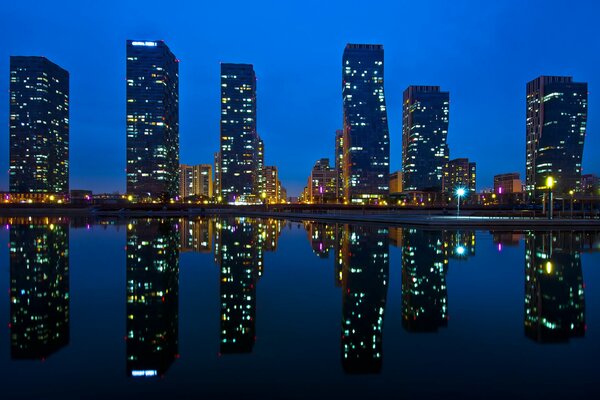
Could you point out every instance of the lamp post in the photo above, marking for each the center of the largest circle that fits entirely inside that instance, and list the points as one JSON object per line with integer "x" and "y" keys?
{"x": 549, "y": 184}
{"x": 460, "y": 192}
{"x": 572, "y": 193}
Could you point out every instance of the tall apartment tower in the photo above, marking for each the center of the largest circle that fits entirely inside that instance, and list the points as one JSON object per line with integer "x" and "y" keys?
{"x": 366, "y": 137}
{"x": 425, "y": 114}
{"x": 152, "y": 120}
{"x": 39, "y": 126}
{"x": 339, "y": 164}
{"x": 240, "y": 143}
{"x": 555, "y": 130}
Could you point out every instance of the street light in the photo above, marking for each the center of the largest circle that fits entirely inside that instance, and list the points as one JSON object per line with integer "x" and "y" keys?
{"x": 572, "y": 192}
{"x": 549, "y": 184}
{"x": 460, "y": 192}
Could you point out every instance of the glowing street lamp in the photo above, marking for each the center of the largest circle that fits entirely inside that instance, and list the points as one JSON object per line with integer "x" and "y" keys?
{"x": 460, "y": 192}
{"x": 549, "y": 184}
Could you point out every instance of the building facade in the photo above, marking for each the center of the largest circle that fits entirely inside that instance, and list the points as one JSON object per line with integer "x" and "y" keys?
{"x": 460, "y": 173}
{"x": 239, "y": 158}
{"x": 425, "y": 116}
{"x": 555, "y": 131}
{"x": 271, "y": 186}
{"x": 195, "y": 181}
{"x": 508, "y": 183}
{"x": 322, "y": 183}
{"x": 396, "y": 180}
{"x": 38, "y": 126}
{"x": 366, "y": 137}
{"x": 152, "y": 121}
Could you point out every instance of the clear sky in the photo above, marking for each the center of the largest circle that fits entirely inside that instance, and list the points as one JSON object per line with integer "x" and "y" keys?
{"x": 483, "y": 52}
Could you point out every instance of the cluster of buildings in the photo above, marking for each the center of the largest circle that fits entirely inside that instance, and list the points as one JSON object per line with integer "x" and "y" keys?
{"x": 360, "y": 173}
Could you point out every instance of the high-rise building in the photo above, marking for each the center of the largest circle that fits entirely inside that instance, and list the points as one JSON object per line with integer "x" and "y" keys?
{"x": 39, "y": 289}
{"x": 459, "y": 173}
{"x": 339, "y": 164}
{"x": 152, "y": 121}
{"x": 425, "y": 114}
{"x": 366, "y": 138}
{"x": 217, "y": 181}
{"x": 195, "y": 181}
{"x": 39, "y": 126}
{"x": 260, "y": 167}
{"x": 555, "y": 132}
{"x": 186, "y": 181}
{"x": 271, "y": 185}
{"x": 152, "y": 276}
{"x": 322, "y": 183}
{"x": 239, "y": 158}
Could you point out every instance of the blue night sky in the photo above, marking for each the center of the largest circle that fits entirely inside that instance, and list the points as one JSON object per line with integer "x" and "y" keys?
{"x": 482, "y": 52}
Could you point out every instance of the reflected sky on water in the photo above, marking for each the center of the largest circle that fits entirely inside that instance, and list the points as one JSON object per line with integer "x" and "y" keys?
{"x": 236, "y": 306}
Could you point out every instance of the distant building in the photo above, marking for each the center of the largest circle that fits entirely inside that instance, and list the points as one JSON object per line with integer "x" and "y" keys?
{"x": 186, "y": 179}
{"x": 366, "y": 136}
{"x": 240, "y": 143}
{"x": 152, "y": 121}
{"x": 508, "y": 183}
{"x": 272, "y": 184}
{"x": 555, "y": 126}
{"x": 322, "y": 184}
{"x": 195, "y": 181}
{"x": 217, "y": 181}
{"x": 396, "y": 180}
{"x": 590, "y": 184}
{"x": 425, "y": 151}
{"x": 38, "y": 126}
{"x": 460, "y": 173}
{"x": 339, "y": 164}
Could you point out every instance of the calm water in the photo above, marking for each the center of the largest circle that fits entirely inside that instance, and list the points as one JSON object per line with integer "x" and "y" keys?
{"x": 246, "y": 308}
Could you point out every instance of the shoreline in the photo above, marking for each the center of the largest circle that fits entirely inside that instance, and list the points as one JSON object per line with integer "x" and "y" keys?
{"x": 417, "y": 218}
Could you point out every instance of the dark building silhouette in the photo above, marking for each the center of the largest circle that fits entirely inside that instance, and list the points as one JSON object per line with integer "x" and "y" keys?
{"x": 152, "y": 120}
{"x": 424, "y": 292}
{"x": 555, "y": 132}
{"x": 239, "y": 256}
{"x": 425, "y": 153}
{"x": 152, "y": 296}
{"x": 39, "y": 289}
{"x": 554, "y": 288}
{"x": 366, "y": 138}
{"x": 239, "y": 157}
{"x": 39, "y": 126}
{"x": 365, "y": 266}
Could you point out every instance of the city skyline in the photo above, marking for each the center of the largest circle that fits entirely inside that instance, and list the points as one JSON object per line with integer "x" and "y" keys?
{"x": 98, "y": 117}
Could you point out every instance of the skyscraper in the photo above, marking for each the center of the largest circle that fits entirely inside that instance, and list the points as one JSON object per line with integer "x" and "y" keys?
{"x": 152, "y": 120}
{"x": 39, "y": 126}
{"x": 239, "y": 158}
{"x": 366, "y": 137}
{"x": 425, "y": 113}
{"x": 339, "y": 164}
{"x": 555, "y": 131}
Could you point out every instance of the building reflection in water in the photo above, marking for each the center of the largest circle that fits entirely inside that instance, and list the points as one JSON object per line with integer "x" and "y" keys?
{"x": 39, "y": 288}
{"x": 152, "y": 296}
{"x": 554, "y": 288}
{"x": 424, "y": 268}
{"x": 459, "y": 245}
{"x": 365, "y": 274}
{"x": 196, "y": 235}
{"x": 239, "y": 253}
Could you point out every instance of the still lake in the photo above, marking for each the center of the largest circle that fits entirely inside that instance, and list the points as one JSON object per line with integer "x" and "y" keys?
{"x": 256, "y": 308}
